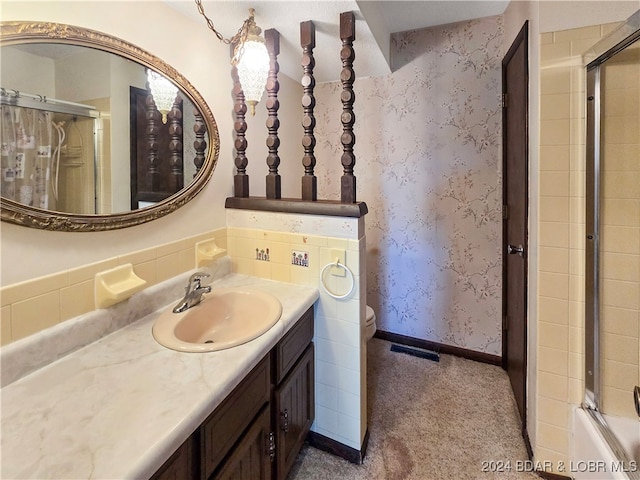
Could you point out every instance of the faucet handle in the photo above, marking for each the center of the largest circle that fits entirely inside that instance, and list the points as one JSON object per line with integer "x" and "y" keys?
{"x": 194, "y": 281}
{"x": 196, "y": 277}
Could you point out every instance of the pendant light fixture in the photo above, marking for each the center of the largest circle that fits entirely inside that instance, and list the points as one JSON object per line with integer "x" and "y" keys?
{"x": 250, "y": 56}
{"x": 163, "y": 91}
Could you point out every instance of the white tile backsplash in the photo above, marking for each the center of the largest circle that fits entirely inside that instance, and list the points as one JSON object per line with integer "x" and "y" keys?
{"x": 327, "y": 396}
{"x": 349, "y": 380}
{"x": 315, "y": 225}
{"x": 349, "y": 428}
{"x": 349, "y": 312}
{"x": 338, "y": 331}
{"x": 340, "y": 370}
{"x": 326, "y": 373}
{"x": 326, "y": 418}
{"x": 348, "y": 404}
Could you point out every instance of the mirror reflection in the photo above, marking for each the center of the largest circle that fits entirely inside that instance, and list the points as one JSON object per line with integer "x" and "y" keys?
{"x": 80, "y": 132}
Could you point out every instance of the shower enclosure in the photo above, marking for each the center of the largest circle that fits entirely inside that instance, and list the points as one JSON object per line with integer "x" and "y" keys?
{"x": 48, "y": 153}
{"x": 612, "y": 290}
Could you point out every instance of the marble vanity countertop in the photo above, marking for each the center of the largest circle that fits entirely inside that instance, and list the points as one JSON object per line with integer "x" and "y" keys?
{"x": 120, "y": 406}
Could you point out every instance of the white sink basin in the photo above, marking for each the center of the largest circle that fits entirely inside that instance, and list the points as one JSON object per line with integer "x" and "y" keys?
{"x": 225, "y": 318}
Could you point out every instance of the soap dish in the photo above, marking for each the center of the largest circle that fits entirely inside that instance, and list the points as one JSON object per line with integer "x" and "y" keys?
{"x": 207, "y": 251}
{"x": 117, "y": 284}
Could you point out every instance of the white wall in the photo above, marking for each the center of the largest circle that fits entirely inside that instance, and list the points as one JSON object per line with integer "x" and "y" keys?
{"x": 14, "y": 62}
{"x": 196, "y": 53}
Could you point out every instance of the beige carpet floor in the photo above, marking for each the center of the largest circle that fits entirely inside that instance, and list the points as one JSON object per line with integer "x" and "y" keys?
{"x": 429, "y": 421}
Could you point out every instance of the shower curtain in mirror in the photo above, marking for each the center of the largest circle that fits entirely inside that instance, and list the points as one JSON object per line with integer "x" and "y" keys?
{"x": 27, "y": 139}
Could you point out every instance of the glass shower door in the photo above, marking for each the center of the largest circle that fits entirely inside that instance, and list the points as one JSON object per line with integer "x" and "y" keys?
{"x": 620, "y": 231}
{"x": 612, "y": 293}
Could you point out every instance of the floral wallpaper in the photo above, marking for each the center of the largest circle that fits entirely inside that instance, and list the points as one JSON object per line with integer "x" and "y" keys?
{"x": 428, "y": 158}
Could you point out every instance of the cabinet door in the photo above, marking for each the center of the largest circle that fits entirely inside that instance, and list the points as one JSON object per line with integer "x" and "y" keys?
{"x": 225, "y": 425}
{"x": 250, "y": 459}
{"x": 181, "y": 465}
{"x": 294, "y": 411}
{"x": 293, "y": 345}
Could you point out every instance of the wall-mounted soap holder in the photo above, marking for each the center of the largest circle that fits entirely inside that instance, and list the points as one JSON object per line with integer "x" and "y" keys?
{"x": 207, "y": 251}
{"x": 116, "y": 285}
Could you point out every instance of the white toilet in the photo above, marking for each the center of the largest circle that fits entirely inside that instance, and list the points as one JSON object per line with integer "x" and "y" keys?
{"x": 370, "y": 325}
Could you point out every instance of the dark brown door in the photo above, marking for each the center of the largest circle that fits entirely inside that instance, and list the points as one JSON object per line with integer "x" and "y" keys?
{"x": 515, "y": 81}
{"x": 147, "y": 184}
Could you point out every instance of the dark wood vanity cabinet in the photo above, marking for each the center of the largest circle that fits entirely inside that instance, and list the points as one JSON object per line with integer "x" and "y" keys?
{"x": 293, "y": 399}
{"x": 258, "y": 430}
{"x": 294, "y": 409}
{"x": 223, "y": 429}
{"x": 181, "y": 464}
{"x": 251, "y": 459}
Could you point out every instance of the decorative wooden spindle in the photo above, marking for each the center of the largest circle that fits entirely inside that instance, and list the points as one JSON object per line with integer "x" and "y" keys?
{"x": 176, "y": 179}
{"x": 200, "y": 143}
{"x": 308, "y": 43}
{"x": 273, "y": 185}
{"x": 241, "y": 179}
{"x": 153, "y": 118}
{"x": 347, "y": 77}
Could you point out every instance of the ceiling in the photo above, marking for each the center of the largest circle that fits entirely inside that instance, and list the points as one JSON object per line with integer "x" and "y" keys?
{"x": 375, "y": 22}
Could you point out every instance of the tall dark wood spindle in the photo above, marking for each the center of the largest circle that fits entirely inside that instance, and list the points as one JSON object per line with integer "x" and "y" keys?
{"x": 273, "y": 185}
{"x": 347, "y": 77}
{"x": 153, "y": 117}
{"x": 241, "y": 179}
{"x": 308, "y": 43}
{"x": 200, "y": 143}
{"x": 176, "y": 178}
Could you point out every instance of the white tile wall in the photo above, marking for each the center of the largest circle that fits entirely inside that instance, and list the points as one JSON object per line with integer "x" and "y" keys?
{"x": 339, "y": 323}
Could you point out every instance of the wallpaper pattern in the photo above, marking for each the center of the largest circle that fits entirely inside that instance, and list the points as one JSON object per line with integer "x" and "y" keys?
{"x": 428, "y": 158}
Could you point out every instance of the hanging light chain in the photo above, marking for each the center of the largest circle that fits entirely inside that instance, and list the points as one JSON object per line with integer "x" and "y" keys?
{"x": 250, "y": 56}
{"x": 238, "y": 39}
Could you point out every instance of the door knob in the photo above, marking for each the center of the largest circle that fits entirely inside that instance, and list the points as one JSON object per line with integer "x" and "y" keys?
{"x": 513, "y": 250}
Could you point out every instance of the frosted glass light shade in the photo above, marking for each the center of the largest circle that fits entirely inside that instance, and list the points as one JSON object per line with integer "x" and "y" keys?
{"x": 253, "y": 70}
{"x": 163, "y": 91}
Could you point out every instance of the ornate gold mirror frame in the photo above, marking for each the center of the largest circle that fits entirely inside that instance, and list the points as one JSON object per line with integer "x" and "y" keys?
{"x": 38, "y": 32}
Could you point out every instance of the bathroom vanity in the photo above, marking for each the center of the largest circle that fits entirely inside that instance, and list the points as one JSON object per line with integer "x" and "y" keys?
{"x": 259, "y": 428}
{"x": 123, "y": 406}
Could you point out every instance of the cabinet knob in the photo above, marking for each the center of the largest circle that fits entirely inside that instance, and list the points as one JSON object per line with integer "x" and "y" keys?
{"x": 285, "y": 420}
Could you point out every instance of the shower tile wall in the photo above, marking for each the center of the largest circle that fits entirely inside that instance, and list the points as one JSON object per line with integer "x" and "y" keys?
{"x": 561, "y": 237}
{"x": 620, "y": 233}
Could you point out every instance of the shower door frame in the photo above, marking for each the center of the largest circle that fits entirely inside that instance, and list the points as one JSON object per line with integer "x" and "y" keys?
{"x": 607, "y": 48}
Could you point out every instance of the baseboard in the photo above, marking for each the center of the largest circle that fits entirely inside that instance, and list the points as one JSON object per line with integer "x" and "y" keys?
{"x": 334, "y": 447}
{"x": 527, "y": 442}
{"x": 439, "y": 347}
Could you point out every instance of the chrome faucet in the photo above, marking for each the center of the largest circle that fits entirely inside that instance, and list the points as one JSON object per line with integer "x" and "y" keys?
{"x": 194, "y": 292}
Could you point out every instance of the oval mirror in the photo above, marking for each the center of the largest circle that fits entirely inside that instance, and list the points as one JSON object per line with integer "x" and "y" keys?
{"x": 84, "y": 147}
